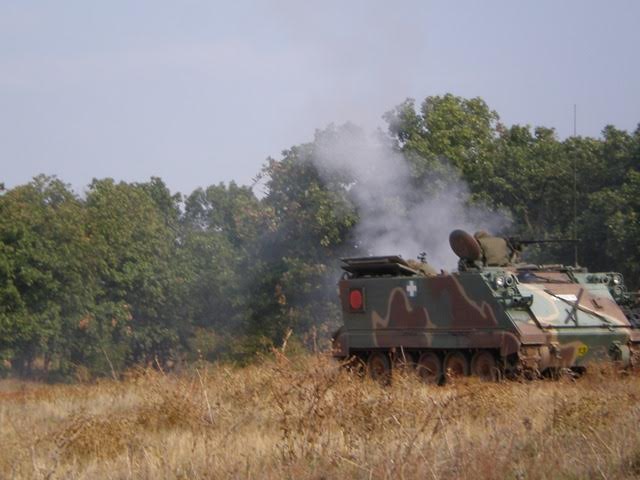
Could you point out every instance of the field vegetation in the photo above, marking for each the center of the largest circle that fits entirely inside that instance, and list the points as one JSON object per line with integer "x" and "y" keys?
{"x": 304, "y": 417}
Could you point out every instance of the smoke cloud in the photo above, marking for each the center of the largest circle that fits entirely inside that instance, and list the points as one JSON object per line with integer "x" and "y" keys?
{"x": 400, "y": 214}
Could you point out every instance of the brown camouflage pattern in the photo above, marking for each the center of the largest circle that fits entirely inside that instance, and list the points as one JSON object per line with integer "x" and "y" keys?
{"x": 543, "y": 319}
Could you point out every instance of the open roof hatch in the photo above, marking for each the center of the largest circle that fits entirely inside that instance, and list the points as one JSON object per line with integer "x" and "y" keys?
{"x": 393, "y": 265}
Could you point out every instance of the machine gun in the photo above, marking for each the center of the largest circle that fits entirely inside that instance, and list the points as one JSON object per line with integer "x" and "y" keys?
{"x": 490, "y": 250}
{"x": 517, "y": 243}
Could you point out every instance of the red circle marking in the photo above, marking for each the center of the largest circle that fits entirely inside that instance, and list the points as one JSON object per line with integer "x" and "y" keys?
{"x": 355, "y": 299}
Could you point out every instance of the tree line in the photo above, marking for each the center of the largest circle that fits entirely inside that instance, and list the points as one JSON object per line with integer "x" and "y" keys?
{"x": 131, "y": 273}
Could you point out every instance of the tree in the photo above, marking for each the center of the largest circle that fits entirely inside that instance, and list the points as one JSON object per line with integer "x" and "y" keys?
{"x": 610, "y": 229}
{"x": 448, "y": 131}
{"x": 46, "y": 283}
{"x": 135, "y": 248}
{"x": 310, "y": 220}
{"x": 222, "y": 226}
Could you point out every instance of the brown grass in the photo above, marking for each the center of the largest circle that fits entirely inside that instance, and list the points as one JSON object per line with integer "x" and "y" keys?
{"x": 306, "y": 418}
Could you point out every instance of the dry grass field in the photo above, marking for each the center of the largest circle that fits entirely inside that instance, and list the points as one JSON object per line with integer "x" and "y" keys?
{"x": 306, "y": 418}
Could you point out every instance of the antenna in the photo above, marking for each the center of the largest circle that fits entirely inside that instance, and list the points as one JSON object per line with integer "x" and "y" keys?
{"x": 575, "y": 193}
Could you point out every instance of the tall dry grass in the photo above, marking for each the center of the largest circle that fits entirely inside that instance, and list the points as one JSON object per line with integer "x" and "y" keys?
{"x": 306, "y": 418}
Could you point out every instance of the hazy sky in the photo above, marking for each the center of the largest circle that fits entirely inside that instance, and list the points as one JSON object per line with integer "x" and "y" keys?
{"x": 199, "y": 92}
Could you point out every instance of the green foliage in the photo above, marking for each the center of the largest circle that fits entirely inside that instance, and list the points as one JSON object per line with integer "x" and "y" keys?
{"x": 44, "y": 265}
{"x": 310, "y": 222}
{"x": 447, "y": 132}
{"x": 611, "y": 228}
{"x": 133, "y": 273}
{"x": 219, "y": 228}
{"x": 130, "y": 227}
{"x": 311, "y": 218}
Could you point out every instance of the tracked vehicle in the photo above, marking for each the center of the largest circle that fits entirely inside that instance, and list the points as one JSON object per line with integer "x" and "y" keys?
{"x": 494, "y": 317}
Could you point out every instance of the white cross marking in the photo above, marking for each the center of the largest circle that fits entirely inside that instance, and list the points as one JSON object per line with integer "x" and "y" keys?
{"x": 412, "y": 290}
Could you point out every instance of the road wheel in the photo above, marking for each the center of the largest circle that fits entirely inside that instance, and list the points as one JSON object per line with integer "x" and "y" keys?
{"x": 483, "y": 366}
{"x": 379, "y": 367}
{"x": 430, "y": 368}
{"x": 456, "y": 365}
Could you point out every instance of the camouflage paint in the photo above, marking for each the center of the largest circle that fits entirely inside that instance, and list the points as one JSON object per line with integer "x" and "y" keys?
{"x": 534, "y": 322}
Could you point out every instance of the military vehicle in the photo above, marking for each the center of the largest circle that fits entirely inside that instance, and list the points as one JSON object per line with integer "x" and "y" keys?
{"x": 495, "y": 317}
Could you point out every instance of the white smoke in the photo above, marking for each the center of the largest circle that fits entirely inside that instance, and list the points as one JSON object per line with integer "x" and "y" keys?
{"x": 399, "y": 215}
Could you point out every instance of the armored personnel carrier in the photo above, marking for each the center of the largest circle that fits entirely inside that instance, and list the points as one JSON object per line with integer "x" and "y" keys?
{"x": 494, "y": 317}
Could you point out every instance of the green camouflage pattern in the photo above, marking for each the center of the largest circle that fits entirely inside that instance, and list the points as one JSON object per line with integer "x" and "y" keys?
{"x": 528, "y": 318}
